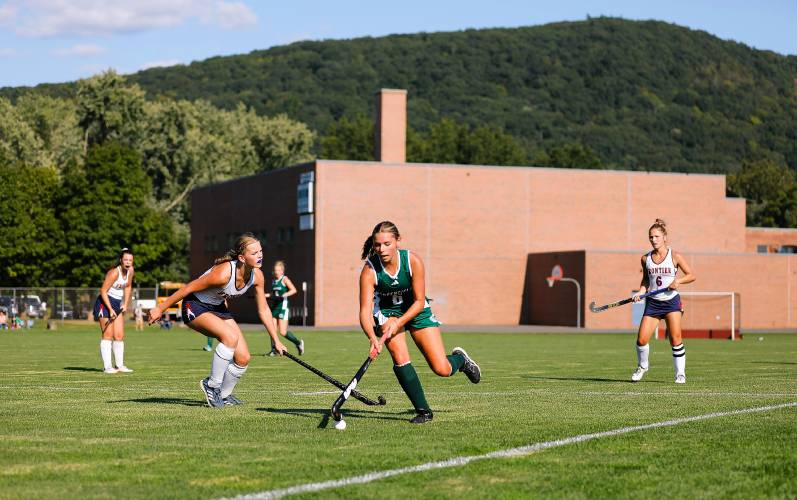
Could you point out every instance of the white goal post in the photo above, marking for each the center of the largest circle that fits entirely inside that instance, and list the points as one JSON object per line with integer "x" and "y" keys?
{"x": 710, "y": 313}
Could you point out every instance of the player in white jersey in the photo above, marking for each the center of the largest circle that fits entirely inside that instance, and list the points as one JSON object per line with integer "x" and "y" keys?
{"x": 660, "y": 272}
{"x": 111, "y": 303}
{"x": 204, "y": 309}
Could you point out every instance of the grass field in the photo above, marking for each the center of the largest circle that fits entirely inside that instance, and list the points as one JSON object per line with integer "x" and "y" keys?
{"x": 69, "y": 431}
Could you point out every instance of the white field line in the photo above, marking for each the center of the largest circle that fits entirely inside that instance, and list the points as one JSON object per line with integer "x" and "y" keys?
{"x": 508, "y": 453}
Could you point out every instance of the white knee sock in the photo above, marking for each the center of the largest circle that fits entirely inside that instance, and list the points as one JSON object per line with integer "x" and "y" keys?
{"x": 119, "y": 352}
{"x": 231, "y": 377}
{"x": 221, "y": 359}
{"x": 105, "y": 352}
{"x": 679, "y": 359}
{"x": 642, "y": 353}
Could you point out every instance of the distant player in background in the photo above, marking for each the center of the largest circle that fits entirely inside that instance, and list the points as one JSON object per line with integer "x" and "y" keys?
{"x": 204, "y": 309}
{"x": 282, "y": 288}
{"x": 659, "y": 271}
{"x": 139, "y": 314}
{"x": 111, "y": 304}
{"x": 393, "y": 300}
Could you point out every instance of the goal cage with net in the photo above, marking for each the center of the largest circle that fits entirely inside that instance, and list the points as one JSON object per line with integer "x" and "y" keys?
{"x": 713, "y": 315}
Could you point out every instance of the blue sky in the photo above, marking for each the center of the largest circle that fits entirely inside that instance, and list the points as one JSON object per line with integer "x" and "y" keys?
{"x": 62, "y": 40}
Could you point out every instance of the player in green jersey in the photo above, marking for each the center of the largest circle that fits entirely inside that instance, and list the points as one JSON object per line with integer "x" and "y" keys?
{"x": 282, "y": 288}
{"x": 392, "y": 301}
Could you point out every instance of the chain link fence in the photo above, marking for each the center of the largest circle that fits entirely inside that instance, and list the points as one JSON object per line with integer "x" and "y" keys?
{"x": 59, "y": 303}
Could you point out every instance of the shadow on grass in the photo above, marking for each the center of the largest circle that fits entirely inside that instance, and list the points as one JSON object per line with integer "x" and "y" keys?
{"x": 591, "y": 379}
{"x": 162, "y": 401}
{"x": 324, "y": 414}
{"x": 81, "y": 369}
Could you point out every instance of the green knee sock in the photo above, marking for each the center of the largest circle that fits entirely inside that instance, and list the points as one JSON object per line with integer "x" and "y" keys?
{"x": 408, "y": 378}
{"x": 210, "y": 342}
{"x": 456, "y": 360}
{"x": 290, "y": 336}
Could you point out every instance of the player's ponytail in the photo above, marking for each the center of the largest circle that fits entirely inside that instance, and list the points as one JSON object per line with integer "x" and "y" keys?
{"x": 241, "y": 243}
{"x": 382, "y": 227}
{"x": 660, "y": 225}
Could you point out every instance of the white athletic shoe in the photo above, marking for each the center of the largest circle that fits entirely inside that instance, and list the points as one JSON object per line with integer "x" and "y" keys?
{"x": 124, "y": 369}
{"x": 680, "y": 378}
{"x": 301, "y": 347}
{"x": 638, "y": 374}
{"x": 110, "y": 370}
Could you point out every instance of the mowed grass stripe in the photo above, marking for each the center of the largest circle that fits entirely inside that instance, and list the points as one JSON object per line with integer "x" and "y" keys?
{"x": 510, "y": 453}
{"x": 70, "y": 431}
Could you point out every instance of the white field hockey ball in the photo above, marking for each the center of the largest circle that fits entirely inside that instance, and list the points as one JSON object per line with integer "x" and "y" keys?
{"x": 340, "y": 425}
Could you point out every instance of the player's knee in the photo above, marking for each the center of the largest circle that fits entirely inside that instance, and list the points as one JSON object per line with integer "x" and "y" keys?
{"x": 442, "y": 369}
{"x": 242, "y": 358}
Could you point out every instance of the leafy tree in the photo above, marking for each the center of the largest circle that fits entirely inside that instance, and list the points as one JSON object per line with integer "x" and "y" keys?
{"x": 106, "y": 205}
{"x": 55, "y": 123}
{"x": 569, "y": 156}
{"x": 771, "y": 192}
{"x": 18, "y": 142}
{"x": 109, "y": 109}
{"x": 349, "y": 140}
{"x": 30, "y": 236}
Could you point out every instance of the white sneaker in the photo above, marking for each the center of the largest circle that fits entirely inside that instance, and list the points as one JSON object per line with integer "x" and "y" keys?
{"x": 638, "y": 374}
{"x": 124, "y": 369}
{"x": 110, "y": 370}
{"x": 680, "y": 378}
{"x": 301, "y": 347}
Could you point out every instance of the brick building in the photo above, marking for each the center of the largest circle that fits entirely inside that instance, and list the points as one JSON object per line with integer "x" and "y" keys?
{"x": 490, "y": 235}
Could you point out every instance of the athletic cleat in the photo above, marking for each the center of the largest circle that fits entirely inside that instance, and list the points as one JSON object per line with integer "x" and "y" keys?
{"x": 272, "y": 353}
{"x": 231, "y": 400}
{"x": 124, "y": 369}
{"x": 110, "y": 370}
{"x": 422, "y": 417}
{"x": 212, "y": 394}
{"x": 301, "y": 347}
{"x": 680, "y": 378}
{"x": 470, "y": 368}
{"x": 207, "y": 348}
{"x": 638, "y": 374}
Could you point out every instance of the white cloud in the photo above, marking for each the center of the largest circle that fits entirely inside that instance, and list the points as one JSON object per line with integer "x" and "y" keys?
{"x": 49, "y": 18}
{"x": 80, "y": 50}
{"x": 6, "y": 52}
{"x": 160, "y": 64}
{"x": 8, "y": 11}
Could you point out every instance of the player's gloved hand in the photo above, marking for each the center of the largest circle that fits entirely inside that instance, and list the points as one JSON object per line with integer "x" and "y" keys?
{"x": 638, "y": 296}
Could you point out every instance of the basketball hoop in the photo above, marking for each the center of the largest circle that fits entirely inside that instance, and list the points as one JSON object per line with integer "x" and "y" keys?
{"x": 556, "y": 274}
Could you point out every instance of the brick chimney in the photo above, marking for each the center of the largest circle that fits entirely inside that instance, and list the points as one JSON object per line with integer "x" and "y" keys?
{"x": 391, "y": 126}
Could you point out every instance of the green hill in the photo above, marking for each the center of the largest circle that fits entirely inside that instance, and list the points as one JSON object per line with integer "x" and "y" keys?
{"x": 643, "y": 95}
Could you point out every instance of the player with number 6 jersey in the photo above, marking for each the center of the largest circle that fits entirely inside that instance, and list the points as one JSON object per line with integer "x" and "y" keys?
{"x": 392, "y": 300}
{"x": 660, "y": 271}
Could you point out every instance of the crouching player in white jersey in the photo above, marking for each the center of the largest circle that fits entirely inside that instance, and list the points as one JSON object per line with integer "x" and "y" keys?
{"x": 204, "y": 309}
{"x": 659, "y": 271}
{"x": 112, "y": 302}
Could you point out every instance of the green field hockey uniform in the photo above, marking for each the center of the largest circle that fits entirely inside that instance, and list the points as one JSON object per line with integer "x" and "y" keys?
{"x": 279, "y": 307}
{"x": 393, "y": 293}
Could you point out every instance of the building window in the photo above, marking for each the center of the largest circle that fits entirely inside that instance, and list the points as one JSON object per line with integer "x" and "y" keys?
{"x": 285, "y": 235}
{"x": 762, "y": 249}
{"x": 787, "y": 249}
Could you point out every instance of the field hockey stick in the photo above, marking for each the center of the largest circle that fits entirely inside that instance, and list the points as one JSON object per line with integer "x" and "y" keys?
{"x": 357, "y": 395}
{"x": 351, "y": 386}
{"x": 622, "y": 302}
{"x": 111, "y": 322}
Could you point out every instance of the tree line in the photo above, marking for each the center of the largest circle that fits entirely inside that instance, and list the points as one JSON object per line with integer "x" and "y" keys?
{"x": 83, "y": 176}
